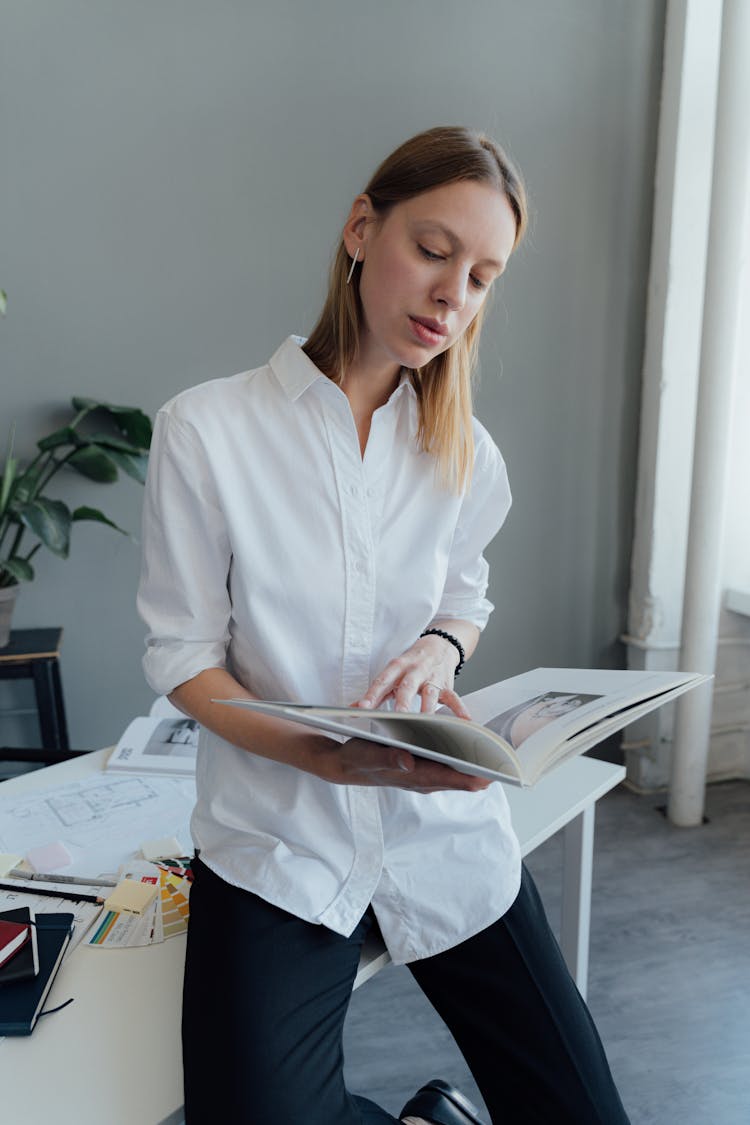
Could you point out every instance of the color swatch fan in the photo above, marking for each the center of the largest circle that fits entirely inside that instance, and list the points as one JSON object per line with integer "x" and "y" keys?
{"x": 175, "y": 907}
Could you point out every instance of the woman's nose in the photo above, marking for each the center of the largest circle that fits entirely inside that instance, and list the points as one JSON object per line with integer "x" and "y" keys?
{"x": 451, "y": 290}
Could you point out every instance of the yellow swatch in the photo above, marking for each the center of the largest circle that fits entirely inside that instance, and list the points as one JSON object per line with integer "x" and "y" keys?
{"x": 131, "y": 896}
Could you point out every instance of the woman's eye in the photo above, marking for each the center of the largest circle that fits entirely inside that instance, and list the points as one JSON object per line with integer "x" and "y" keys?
{"x": 430, "y": 254}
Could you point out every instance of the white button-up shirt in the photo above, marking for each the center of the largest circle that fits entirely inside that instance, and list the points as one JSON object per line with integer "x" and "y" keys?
{"x": 274, "y": 549}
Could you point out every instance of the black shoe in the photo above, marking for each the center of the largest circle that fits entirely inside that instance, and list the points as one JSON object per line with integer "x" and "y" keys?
{"x": 443, "y": 1104}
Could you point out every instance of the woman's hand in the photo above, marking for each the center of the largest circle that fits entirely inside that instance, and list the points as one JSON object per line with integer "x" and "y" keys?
{"x": 362, "y": 762}
{"x": 426, "y": 669}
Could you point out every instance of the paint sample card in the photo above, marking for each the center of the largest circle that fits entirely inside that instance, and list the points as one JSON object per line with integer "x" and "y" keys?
{"x": 116, "y": 930}
{"x": 175, "y": 907}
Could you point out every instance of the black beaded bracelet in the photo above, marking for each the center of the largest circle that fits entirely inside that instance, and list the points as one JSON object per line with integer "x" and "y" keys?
{"x": 454, "y": 641}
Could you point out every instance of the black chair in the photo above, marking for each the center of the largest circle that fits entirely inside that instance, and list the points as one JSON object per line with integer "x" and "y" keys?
{"x": 34, "y": 654}
{"x": 38, "y": 755}
{"x": 35, "y": 756}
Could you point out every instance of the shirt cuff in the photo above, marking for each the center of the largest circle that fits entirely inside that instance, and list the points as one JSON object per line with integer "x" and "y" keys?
{"x": 167, "y": 664}
{"x": 472, "y": 609}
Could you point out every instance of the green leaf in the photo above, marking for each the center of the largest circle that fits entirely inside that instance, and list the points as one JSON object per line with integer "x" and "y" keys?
{"x": 94, "y": 463}
{"x": 65, "y": 436}
{"x": 19, "y": 569}
{"x": 137, "y": 426}
{"x": 112, "y": 441}
{"x": 51, "y": 521}
{"x": 26, "y": 485}
{"x": 3, "y": 302}
{"x": 134, "y": 424}
{"x": 129, "y": 419}
{"x": 97, "y": 516}
{"x": 134, "y": 465}
{"x": 6, "y": 482}
{"x": 9, "y": 471}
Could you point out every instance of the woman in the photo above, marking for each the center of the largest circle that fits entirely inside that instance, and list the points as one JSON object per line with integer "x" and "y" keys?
{"x": 313, "y": 531}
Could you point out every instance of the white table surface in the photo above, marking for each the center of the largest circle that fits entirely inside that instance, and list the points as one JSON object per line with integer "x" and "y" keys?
{"x": 113, "y": 1056}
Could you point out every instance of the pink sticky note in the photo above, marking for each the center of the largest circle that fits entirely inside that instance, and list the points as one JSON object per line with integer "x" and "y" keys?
{"x": 49, "y": 857}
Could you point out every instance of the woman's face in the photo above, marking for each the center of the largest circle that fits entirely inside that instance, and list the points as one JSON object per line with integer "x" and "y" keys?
{"x": 427, "y": 268}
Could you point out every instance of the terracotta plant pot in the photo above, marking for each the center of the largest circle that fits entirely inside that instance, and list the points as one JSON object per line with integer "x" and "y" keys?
{"x": 8, "y": 595}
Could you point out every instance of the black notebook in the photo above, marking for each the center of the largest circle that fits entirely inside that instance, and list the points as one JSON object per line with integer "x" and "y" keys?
{"x": 22, "y": 1001}
{"x": 24, "y": 964}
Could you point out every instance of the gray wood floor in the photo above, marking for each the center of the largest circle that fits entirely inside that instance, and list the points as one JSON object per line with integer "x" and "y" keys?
{"x": 669, "y": 983}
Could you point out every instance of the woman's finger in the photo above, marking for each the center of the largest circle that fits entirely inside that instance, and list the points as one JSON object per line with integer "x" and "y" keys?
{"x": 382, "y": 686}
{"x": 449, "y": 697}
{"x": 402, "y": 678}
{"x": 430, "y": 693}
{"x": 408, "y": 688}
{"x": 362, "y": 762}
{"x": 362, "y": 756}
{"x": 428, "y": 775}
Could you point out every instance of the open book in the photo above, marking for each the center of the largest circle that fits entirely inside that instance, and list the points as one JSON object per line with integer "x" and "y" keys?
{"x": 157, "y": 744}
{"x": 520, "y": 727}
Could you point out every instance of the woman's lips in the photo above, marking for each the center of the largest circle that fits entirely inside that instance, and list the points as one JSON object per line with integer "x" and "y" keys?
{"x": 426, "y": 333}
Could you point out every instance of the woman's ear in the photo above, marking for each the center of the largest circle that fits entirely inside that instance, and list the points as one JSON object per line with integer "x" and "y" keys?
{"x": 357, "y": 227}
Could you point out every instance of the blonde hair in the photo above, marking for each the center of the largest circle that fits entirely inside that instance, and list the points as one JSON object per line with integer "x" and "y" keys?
{"x": 444, "y": 155}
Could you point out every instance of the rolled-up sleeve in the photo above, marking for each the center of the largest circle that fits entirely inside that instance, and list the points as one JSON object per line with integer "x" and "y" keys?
{"x": 483, "y": 512}
{"x": 182, "y": 596}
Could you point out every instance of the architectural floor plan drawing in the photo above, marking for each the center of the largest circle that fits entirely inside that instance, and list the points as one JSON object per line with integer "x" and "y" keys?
{"x": 101, "y": 801}
{"x": 102, "y": 820}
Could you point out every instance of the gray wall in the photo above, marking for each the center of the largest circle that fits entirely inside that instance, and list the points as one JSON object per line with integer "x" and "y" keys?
{"x": 173, "y": 178}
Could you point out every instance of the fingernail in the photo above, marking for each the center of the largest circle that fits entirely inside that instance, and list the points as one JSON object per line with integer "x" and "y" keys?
{"x": 404, "y": 764}
{"x": 366, "y": 703}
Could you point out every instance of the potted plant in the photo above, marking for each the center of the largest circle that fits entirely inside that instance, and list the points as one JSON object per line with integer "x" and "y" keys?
{"x": 98, "y": 442}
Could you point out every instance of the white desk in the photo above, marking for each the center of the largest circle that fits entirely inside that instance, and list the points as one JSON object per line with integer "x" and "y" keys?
{"x": 114, "y": 1054}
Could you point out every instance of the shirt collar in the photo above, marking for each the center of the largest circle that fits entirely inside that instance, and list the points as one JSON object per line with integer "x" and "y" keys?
{"x": 405, "y": 381}
{"x": 296, "y": 371}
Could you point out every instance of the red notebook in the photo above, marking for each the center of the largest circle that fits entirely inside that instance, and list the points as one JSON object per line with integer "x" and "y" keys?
{"x": 22, "y": 960}
{"x": 13, "y": 935}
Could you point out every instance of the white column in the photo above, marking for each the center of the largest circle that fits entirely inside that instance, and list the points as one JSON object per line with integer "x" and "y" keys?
{"x": 718, "y": 359}
{"x": 677, "y": 274}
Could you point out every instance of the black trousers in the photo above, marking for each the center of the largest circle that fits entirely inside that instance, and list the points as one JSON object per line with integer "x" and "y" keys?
{"x": 265, "y": 997}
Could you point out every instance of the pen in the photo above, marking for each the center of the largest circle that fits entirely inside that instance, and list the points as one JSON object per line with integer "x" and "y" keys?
{"x": 70, "y": 896}
{"x": 77, "y": 880}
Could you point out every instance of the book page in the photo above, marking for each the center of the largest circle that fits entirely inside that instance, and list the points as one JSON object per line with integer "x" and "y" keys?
{"x": 551, "y": 713}
{"x": 450, "y": 740}
{"x": 157, "y": 745}
{"x": 519, "y": 723}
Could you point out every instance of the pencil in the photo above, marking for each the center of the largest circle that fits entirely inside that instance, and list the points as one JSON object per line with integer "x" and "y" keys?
{"x": 69, "y": 896}
{"x": 76, "y": 880}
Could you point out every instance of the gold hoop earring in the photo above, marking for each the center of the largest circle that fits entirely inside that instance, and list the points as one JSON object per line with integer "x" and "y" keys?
{"x": 351, "y": 268}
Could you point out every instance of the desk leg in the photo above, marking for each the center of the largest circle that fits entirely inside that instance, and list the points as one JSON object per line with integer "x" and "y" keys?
{"x": 50, "y": 706}
{"x": 576, "y": 898}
